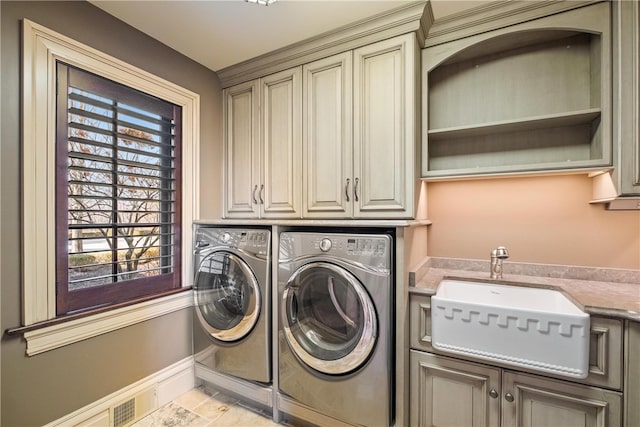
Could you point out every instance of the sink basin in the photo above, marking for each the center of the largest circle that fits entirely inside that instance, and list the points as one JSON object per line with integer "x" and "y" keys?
{"x": 533, "y": 328}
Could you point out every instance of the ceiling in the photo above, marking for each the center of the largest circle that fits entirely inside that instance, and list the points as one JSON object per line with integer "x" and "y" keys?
{"x": 220, "y": 33}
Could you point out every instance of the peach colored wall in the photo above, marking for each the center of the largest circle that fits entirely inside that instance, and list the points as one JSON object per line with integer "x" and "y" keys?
{"x": 544, "y": 219}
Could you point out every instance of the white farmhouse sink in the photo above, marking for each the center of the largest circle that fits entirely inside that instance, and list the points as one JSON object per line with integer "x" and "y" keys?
{"x": 539, "y": 329}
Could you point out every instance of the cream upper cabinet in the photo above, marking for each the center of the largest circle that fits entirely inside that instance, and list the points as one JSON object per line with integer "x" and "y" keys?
{"x": 263, "y": 143}
{"x": 281, "y": 144}
{"x": 352, "y": 154}
{"x": 242, "y": 149}
{"x": 386, "y": 90}
{"x": 327, "y": 137}
{"x": 359, "y": 132}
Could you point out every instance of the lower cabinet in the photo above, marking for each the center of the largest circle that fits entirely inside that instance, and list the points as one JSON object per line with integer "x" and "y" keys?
{"x": 449, "y": 392}
{"x": 529, "y": 400}
{"x": 456, "y": 393}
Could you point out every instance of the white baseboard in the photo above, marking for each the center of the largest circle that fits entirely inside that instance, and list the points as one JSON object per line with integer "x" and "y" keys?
{"x": 165, "y": 385}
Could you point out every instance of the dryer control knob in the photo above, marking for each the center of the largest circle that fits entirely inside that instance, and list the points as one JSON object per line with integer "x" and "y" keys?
{"x": 325, "y": 245}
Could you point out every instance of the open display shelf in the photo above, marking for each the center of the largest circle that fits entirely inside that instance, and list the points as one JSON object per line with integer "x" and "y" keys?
{"x": 532, "y": 97}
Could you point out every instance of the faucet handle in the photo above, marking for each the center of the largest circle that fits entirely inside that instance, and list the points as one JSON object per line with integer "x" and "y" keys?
{"x": 500, "y": 252}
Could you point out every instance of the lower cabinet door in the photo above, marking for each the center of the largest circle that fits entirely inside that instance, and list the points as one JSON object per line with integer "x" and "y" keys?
{"x": 530, "y": 401}
{"x": 449, "y": 392}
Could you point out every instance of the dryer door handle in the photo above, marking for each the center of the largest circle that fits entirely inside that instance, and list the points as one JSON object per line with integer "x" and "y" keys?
{"x": 290, "y": 306}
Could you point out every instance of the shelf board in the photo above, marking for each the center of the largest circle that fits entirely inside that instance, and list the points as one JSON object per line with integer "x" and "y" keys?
{"x": 542, "y": 169}
{"x": 529, "y": 123}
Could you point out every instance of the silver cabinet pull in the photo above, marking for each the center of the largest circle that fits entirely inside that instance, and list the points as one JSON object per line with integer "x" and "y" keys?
{"x": 355, "y": 189}
{"x": 261, "y": 192}
{"x": 493, "y": 393}
{"x": 346, "y": 189}
{"x": 508, "y": 397}
{"x": 255, "y": 201}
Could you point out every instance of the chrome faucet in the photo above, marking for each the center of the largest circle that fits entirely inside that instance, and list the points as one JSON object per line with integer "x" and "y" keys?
{"x": 497, "y": 256}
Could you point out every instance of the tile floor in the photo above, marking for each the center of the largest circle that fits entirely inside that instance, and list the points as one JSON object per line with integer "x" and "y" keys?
{"x": 200, "y": 408}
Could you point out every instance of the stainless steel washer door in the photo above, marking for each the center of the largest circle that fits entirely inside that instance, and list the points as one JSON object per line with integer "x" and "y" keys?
{"x": 227, "y": 296}
{"x": 329, "y": 320}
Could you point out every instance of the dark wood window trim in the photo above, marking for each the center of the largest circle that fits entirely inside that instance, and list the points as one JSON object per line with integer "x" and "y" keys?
{"x": 119, "y": 292}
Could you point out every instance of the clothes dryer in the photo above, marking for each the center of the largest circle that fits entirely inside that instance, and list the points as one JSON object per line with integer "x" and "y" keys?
{"x": 336, "y": 325}
{"x": 232, "y": 301}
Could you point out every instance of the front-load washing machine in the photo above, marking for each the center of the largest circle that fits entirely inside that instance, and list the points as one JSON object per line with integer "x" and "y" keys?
{"x": 232, "y": 301}
{"x": 336, "y": 325}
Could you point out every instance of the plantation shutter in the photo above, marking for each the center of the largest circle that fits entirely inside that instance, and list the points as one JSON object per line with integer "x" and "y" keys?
{"x": 117, "y": 193}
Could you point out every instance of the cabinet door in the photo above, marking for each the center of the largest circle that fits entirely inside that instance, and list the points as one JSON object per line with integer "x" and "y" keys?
{"x": 327, "y": 138}
{"x": 627, "y": 95}
{"x": 241, "y": 143}
{"x": 448, "y": 392}
{"x": 632, "y": 374}
{"x": 281, "y": 147}
{"x": 385, "y": 92}
{"x": 530, "y": 401}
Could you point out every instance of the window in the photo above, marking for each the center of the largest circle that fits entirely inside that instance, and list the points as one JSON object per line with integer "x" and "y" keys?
{"x": 44, "y": 328}
{"x": 117, "y": 192}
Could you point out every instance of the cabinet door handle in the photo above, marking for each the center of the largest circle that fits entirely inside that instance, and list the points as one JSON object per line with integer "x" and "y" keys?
{"x": 356, "y": 197}
{"x": 493, "y": 393}
{"x": 261, "y": 193}
{"x": 346, "y": 189}
{"x": 508, "y": 397}
{"x": 255, "y": 201}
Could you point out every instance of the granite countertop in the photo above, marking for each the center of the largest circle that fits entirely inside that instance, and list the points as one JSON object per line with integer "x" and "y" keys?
{"x": 599, "y": 291}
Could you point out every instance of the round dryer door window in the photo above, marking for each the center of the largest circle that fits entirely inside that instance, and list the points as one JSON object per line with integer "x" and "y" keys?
{"x": 329, "y": 319}
{"x": 227, "y": 296}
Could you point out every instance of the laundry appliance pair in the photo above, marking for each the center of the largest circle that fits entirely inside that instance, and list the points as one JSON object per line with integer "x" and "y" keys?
{"x": 335, "y": 302}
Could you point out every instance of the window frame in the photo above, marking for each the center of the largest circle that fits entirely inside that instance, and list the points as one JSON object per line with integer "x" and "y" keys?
{"x": 42, "y": 49}
{"x": 120, "y": 291}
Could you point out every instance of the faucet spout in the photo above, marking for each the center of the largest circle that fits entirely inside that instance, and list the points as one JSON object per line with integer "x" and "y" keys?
{"x": 497, "y": 256}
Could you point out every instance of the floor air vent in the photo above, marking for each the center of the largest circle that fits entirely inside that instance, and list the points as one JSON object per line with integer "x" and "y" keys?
{"x": 124, "y": 413}
{"x": 131, "y": 410}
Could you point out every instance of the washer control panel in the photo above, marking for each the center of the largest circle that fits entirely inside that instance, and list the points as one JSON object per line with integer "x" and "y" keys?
{"x": 371, "y": 246}
{"x": 253, "y": 241}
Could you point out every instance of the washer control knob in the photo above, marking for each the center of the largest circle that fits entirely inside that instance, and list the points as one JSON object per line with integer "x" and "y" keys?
{"x": 325, "y": 245}
{"x": 226, "y": 237}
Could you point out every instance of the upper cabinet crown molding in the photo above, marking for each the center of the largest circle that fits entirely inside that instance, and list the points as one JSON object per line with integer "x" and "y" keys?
{"x": 495, "y": 15}
{"x": 414, "y": 17}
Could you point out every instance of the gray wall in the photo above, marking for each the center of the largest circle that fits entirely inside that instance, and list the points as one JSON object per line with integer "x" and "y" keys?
{"x": 39, "y": 389}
